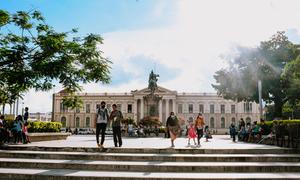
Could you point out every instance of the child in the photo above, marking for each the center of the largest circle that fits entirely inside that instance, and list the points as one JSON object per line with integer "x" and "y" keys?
{"x": 207, "y": 133}
{"x": 191, "y": 133}
{"x": 233, "y": 132}
{"x": 25, "y": 133}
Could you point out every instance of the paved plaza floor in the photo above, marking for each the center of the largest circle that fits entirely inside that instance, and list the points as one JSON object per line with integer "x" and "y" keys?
{"x": 217, "y": 142}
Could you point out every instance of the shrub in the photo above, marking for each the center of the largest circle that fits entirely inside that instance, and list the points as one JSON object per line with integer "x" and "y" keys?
{"x": 162, "y": 129}
{"x": 44, "y": 126}
{"x": 128, "y": 120}
{"x": 150, "y": 121}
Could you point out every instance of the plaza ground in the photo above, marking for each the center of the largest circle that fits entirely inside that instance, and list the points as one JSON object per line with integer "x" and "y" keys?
{"x": 217, "y": 142}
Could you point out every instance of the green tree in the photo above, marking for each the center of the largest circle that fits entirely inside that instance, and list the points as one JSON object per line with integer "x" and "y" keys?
{"x": 265, "y": 63}
{"x": 291, "y": 80}
{"x": 34, "y": 55}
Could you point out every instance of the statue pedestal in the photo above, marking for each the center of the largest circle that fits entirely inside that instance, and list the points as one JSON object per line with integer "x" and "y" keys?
{"x": 152, "y": 104}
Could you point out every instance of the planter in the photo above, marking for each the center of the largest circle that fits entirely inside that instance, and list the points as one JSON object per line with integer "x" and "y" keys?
{"x": 35, "y": 137}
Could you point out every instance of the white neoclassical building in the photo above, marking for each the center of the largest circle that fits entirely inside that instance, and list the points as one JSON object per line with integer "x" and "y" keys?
{"x": 218, "y": 112}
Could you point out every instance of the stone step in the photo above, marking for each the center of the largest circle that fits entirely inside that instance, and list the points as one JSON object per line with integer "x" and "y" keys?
{"x": 151, "y": 157}
{"x": 65, "y": 174}
{"x": 154, "y": 166}
{"x": 271, "y": 150}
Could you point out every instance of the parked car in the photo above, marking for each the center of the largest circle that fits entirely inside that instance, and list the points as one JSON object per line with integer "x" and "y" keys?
{"x": 85, "y": 131}
{"x": 109, "y": 131}
{"x": 63, "y": 130}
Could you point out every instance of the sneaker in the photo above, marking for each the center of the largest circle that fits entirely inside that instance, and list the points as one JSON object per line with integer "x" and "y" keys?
{"x": 99, "y": 145}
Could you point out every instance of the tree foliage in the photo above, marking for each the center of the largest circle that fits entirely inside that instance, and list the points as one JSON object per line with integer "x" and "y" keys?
{"x": 291, "y": 80}
{"x": 34, "y": 55}
{"x": 266, "y": 63}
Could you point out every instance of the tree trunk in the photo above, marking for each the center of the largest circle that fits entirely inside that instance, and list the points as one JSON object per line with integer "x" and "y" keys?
{"x": 10, "y": 108}
{"x": 278, "y": 104}
{"x": 75, "y": 119}
{"x": 3, "y": 109}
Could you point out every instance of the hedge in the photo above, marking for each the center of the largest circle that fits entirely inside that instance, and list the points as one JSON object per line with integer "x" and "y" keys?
{"x": 284, "y": 122}
{"x": 37, "y": 126}
{"x": 44, "y": 126}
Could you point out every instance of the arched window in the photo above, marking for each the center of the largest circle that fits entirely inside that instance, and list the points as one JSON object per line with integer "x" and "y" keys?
{"x": 63, "y": 121}
{"x": 248, "y": 120}
{"x": 233, "y": 120}
{"x": 87, "y": 122}
{"x": 77, "y": 122}
{"x": 212, "y": 122}
{"x": 222, "y": 122}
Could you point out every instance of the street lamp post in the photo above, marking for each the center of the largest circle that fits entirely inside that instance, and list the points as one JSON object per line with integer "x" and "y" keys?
{"x": 260, "y": 99}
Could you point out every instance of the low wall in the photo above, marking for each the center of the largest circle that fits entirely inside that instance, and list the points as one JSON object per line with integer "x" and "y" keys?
{"x": 34, "y": 137}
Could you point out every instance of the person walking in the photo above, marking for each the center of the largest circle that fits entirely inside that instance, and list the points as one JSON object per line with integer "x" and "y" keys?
{"x": 101, "y": 123}
{"x": 26, "y": 115}
{"x": 199, "y": 124}
{"x": 116, "y": 117}
{"x": 173, "y": 126}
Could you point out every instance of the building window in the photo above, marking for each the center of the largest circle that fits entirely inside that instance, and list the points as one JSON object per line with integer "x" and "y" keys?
{"x": 212, "y": 122}
{"x": 119, "y": 107}
{"x": 63, "y": 122}
{"x": 191, "y": 119}
{"x": 87, "y": 108}
{"x": 212, "y": 109}
{"x": 63, "y": 108}
{"x": 247, "y": 107}
{"x": 201, "y": 108}
{"x": 87, "y": 122}
{"x": 179, "y": 108}
{"x": 108, "y": 107}
{"x": 77, "y": 110}
{"x": 233, "y": 120}
{"x": 222, "y": 122}
{"x": 77, "y": 122}
{"x": 232, "y": 109}
{"x": 129, "y": 108}
{"x": 190, "y": 108}
{"x": 222, "y": 109}
{"x": 98, "y": 106}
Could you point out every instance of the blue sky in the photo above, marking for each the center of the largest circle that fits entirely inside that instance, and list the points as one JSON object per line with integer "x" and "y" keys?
{"x": 181, "y": 40}
{"x": 94, "y": 16}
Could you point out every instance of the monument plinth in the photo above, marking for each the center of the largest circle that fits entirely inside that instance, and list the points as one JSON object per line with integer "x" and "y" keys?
{"x": 152, "y": 99}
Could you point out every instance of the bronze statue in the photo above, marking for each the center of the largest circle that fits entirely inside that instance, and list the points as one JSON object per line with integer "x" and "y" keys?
{"x": 152, "y": 81}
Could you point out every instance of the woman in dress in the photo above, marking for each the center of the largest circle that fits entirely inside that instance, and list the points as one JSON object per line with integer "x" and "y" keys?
{"x": 191, "y": 133}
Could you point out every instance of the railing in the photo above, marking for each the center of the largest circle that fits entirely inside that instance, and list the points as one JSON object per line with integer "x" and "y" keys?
{"x": 197, "y": 94}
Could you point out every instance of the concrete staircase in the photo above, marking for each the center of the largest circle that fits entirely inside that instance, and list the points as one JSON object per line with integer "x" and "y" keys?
{"x": 19, "y": 162}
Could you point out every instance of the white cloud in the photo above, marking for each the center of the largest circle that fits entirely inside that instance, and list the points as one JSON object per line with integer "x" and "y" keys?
{"x": 199, "y": 33}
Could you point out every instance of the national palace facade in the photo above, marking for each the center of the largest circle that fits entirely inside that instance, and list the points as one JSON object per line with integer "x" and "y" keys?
{"x": 218, "y": 112}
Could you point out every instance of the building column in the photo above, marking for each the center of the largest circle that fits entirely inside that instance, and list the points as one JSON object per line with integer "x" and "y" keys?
{"x": 174, "y": 106}
{"x": 135, "y": 110}
{"x": 167, "y": 107}
{"x": 142, "y": 108}
{"x": 160, "y": 110}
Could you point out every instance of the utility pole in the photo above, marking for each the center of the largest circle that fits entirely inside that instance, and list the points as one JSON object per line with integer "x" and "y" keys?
{"x": 260, "y": 99}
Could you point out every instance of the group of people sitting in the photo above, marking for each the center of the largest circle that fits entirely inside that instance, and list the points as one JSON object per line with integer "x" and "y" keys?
{"x": 16, "y": 133}
{"x": 249, "y": 132}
